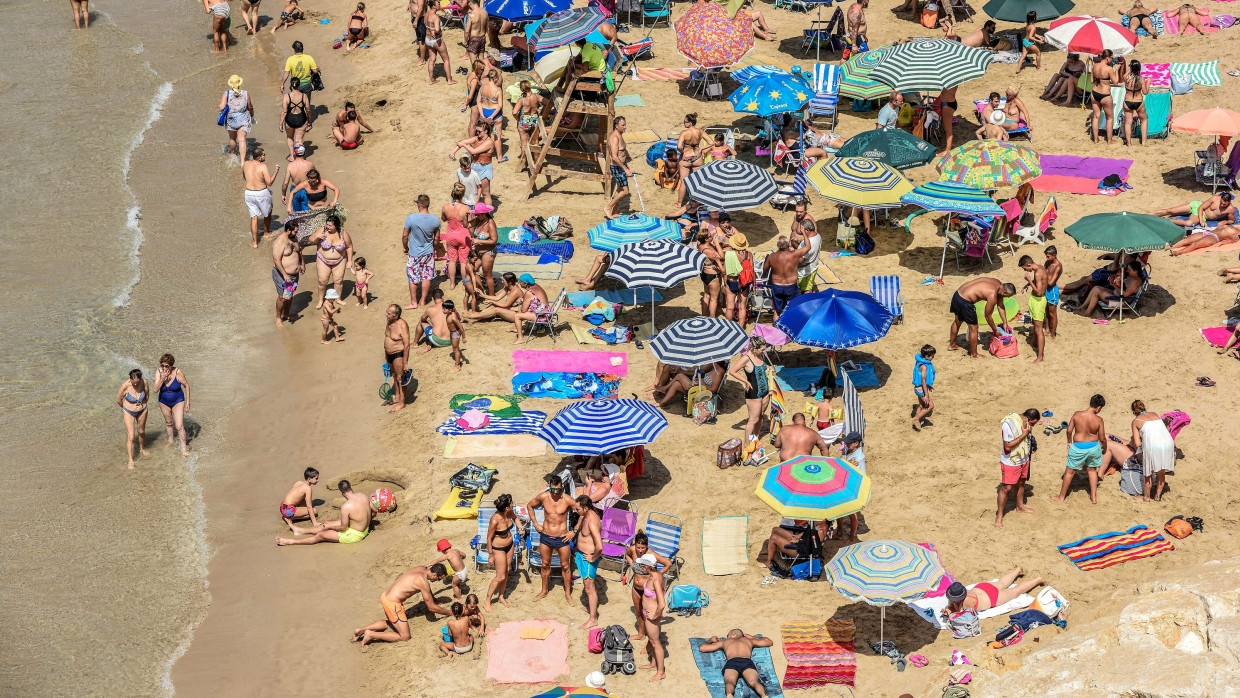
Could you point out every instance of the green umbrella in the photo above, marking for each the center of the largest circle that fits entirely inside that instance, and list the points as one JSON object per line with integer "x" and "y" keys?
{"x": 925, "y": 65}
{"x": 893, "y": 146}
{"x": 856, "y": 81}
{"x": 1016, "y": 10}
{"x": 1124, "y": 232}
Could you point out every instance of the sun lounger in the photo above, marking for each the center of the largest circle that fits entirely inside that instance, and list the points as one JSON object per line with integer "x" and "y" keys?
{"x": 618, "y": 526}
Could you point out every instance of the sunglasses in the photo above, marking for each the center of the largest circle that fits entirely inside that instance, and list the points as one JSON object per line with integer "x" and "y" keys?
{"x": 556, "y": 490}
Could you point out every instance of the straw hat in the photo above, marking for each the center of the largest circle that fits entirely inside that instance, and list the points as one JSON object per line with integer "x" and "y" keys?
{"x": 738, "y": 241}
{"x": 235, "y": 82}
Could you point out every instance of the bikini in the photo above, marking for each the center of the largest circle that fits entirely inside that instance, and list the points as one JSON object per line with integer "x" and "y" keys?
{"x": 503, "y": 534}
{"x": 491, "y": 113}
{"x": 135, "y": 401}
{"x": 325, "y": 245}
{"x": 315, "y": 197}
{"x": 1133, "y": 105}
{"x": 171, "y": 393}
{"x": 356, "y": 31}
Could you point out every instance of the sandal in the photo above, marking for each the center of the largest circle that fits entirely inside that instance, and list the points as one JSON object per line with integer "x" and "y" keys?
{"x": 1205, "y": 382}
{"x": 1061, "y": 427}
{"x": 918, "y": 660}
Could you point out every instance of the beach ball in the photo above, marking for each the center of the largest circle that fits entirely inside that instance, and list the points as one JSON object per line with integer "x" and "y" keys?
{"x": 383, "y": 500}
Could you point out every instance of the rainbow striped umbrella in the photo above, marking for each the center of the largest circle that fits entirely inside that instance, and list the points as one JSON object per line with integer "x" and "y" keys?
{"x": 990, "y": 164}
{"x": 882, "y": 572}
{"x": 951, "y": 197}
{"x": 814, "y": 488}
{"x": 860, "y": 182}
{"x": 706, "y": 35}
{"x": 856, "y": 81}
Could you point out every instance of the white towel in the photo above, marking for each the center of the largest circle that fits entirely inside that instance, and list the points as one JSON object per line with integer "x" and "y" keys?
{"x": 929, "y": 609}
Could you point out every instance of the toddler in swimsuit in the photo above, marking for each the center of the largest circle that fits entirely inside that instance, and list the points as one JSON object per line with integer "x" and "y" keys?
{"x": 363, "y": 277}
{"x": 331, "y": 306}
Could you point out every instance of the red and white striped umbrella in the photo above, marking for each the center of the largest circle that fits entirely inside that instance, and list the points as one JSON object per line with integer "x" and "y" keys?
{"x": 1091, "y": 35}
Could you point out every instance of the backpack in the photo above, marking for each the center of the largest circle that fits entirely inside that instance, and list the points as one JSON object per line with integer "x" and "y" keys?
{"x": 1178, "y": 527}
{"x": 964, "y": 624}
{"x": 688, "y": 597}
{"x": 865, "y": 243}
{"x": 1004, "y": 347}
{"x": 747, "y": 275}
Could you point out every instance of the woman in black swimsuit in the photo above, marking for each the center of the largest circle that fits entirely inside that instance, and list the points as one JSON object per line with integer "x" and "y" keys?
{"x": 1100, "y": 102}
{"x": 947, "y": 107}
{"x": 295, "y": 118}
{"x": 1062, "y": 85}
{"x": 359, "y": 28}
{"x": 711, "y": 272}
{"x": 501, "y": 539}
{"x": 1139, "y": 18}
{"x": 316, "y": 191}
{"x": 1135, "y": 90}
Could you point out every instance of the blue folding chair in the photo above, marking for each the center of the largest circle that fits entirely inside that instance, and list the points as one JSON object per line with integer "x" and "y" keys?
{"x": 886, "y": 290}
{"x": 826, "y": 98}
{"x": 656, "y": 10}
{"x": 664, "y": 532}
{"x": 533, "y": 555}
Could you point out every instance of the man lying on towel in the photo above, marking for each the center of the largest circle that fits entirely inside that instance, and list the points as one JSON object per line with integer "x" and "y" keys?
{"x": 738, "y": 648}
{"x": 1216, "y": 208}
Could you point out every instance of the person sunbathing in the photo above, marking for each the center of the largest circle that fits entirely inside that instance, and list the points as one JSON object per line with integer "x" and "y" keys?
{"x": 992, "y": 128}
{"x": 821, "y": 139}
{"x": 1201, "y": 239}
{"x": 987, "y": 595}
{"x": 984, "y": 37}
{"x": 1230, "y": 275}
{"x": 1062, "y": 85}
{"x": 1139, "y": 18}
{"x": 1134, "y": 276}
{"x": 711, "y": 378}
{"x": 1190, "y": 16}
{"x": 1216, "y": 208}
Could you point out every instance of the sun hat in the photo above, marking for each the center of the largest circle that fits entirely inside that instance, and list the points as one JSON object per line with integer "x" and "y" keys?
{"x": 646, "y": 560}
{"x": 595, "y": 679}
{"x": 738, "y": 241}
{"x": 442, "y": 545}
{"x": 956, "y": 592}
{"x": 299, "y": 149}
{"x": 996, "y": 117}
{"x": 852, "y": 438}
{"x": 331, "y": 295}
{"x": 235, "y": 82}
{"x": 526, "y": 279}
{"x": 483, "y": 208}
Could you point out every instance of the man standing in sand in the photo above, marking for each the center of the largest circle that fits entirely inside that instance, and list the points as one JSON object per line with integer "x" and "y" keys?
{"x": 1035, "y": 284}
{"x": 296, "y": 172}
{"x": 1087, "y": 437}
{"x": 440, "y": 326}
{"x": 857, "y": 26}
{"x": 258, "y": 181}
{"x": 988, "y": 289}
{"x": 352, "y": 527}
{"x": 589, "y": 538}
{"x": 1054, "y": 270}
{"x": 1015, "y": 435}
{"x": 555, "y": 536}
{"x": 417, "y": 16}
{"x": 298, "y": 504}
{"x": 395, "y": 624}
{"x": 396, "y": 347}
{"x": 796, "y": 439}
{"x": 418, "y": 238}
{"x": 804, "y": 237}
{"x": 299, "y": 67}
{"x": 288, "y": 264}
{"x": 782, "y": 264}
{"x": 476, "y": 19}
{"x": 738, "y": 648}
{"x": 618, "y": 158}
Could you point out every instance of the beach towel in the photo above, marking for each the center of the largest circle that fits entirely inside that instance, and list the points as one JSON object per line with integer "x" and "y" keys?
{"x": 562, "y": 250}
{"x": 643, "y": 136}
{"x": 1157, "y": 74}
{"x": 1203, "y": 74}
{"x": 629, "y": 101}
{"x": 929, "y": 607}
{"x": 802, "y": 378}
{"x": 496, "y": 405}
{"x": 1108, "y": 549}
{"x": 1216, "y": 336}
{"x": 1075, "y": 174}
{"x": 491, "y": 447}
{"x": 531, "y": 361}
{"x": 454, "y": 507}
{"x": 542, "y": 268}
{"x": 527, "y": 423}
{"x": 1156, "y": 19}
{"x": 725, "y": 545}
{"x": 661, "y": 74}
{"x": 511, "y": 659}
{"x": 1208, "y": 224}
{"x": 710, "y": 668}
{"x": 819, "y": 653}
{"x": 624, "y": 296}
{"x": 1171, "y": 23}
{"x": 1225, "y": 247}
{"x": 566, "y": 386}
{"x": 584, "y": 337}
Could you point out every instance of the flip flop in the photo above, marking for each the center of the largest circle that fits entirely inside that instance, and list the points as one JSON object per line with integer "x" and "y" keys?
{"x": 1205, "y": 382}
{"x": 918, "y": 660}
{"x": 1101, "y": 321}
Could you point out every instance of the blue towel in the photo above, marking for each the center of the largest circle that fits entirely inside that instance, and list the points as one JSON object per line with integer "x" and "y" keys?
{"x": 710, "y": 667}
{"x": 529, "y": 422}
{"x": 562, "y": 249}
{"x": 802, "y": 378}
{"x": 1209, "y": 224}
{"x": 566, "y": 386}
{"x": 626, "y": 296}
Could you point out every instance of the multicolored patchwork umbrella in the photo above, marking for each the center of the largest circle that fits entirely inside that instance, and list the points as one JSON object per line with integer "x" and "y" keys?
{"x": 856, "y": 81}
{"x": 608, "y": 235}
{"x": 1091, "y": 35}
{"x": 894, "y": 146}
{"x": 569, "y": 26}
{"x": 772, "y": 93}
{"x": 990, "y": 164}
{"x": 859, "y": 182}
{"x": 814, "y": 488}
{"x": 924, "y": 65}
{"x": 951, "y": 197}
{"x": 883, "y": 572}
{"x": 708, "y": 37}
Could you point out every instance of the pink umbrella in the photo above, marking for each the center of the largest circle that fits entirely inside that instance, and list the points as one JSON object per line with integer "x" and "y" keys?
{"x": 1091, "y": 35}
{"x": 706, "y": 35}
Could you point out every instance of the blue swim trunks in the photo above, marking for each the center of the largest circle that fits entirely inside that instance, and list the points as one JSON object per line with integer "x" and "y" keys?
{"x": 585, "y": 568}
{"x": 1085, "y": 454}
{"x": 1052, "y": 295}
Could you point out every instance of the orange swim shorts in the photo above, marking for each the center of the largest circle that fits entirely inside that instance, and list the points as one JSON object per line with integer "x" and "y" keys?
{"x": 394, "y": 610}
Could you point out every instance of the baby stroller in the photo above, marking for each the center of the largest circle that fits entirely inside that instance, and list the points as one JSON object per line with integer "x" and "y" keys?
{"x": 618, "y": 651}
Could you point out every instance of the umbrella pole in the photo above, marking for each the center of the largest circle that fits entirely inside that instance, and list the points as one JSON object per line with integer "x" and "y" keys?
{"x": 943, "y": 261}
{"x": 817, "y": 36}
{"x": 638, "y": 190}
{"x": 882, "y": 620}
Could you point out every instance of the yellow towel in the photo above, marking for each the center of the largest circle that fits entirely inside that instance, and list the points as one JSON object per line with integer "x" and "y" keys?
{"x": 583, "y": 335}
{"x": 1020, "y": 454}
{"x": 490, "y": 446}
{"x": 535, "y": 632}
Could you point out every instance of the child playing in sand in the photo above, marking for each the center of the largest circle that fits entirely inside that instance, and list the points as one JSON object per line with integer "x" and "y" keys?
{"x": 289, "y": 16}
{"x": 462, "y": 641}
{"x": 472, "y": 610}
{"x": 331, "y": 306}
{"x": 298, "y": 504}
{"x": 363, "y": 277}
{"x": 454, "y": 560}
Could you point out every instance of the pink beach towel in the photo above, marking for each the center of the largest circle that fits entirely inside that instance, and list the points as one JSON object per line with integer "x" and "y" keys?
{"x": 1157, "y": 74}
{"x": 1171, "y": 20}
{"x": 1216, "y": 336}
{"x": 513, "y": 660}
{"x": 533, "y": 361}
{"x": 946, "y": 580}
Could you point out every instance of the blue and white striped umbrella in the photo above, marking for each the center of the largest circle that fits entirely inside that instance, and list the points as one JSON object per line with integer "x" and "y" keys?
{"x": 730, "y": 185}
{"x": 569, "y": 26}
{"x": 655, "y": 264}
{"x": 699, "y": 341}
{"x": 608, "y": 235}
{"x": 595, "y": 427}
{"x": 525, "y": 10}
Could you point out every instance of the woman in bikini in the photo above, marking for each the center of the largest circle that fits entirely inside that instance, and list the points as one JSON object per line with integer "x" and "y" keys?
{"x": 173, "y": 391}
{"x": 485, "y": 239}
{"x": 295, "y": 118}
{"x": 528, "y": 112}
{"x": 1189, "y": 17}
{"x": 501, "y": 539}
{"x": 1135, "y": 90}
{"x": 649, "y": 603}
{"x": 1029, "y": 43}
{"x": 481, "y": 148}
{"x": 455, "y": 235}
{"x": 1100, "y": 100}
{"x": 720, "y": 150}
{"x": 359, "y": 28}
{"x": 987, "y": 595}
{"x": 688, "y": 143}
{"x": 1015, "y": 115}
{"x": 132, "y": 398}
{"x": 1202, "y": 239}
{"x": 712, "y": 272}
{"x": 316, "y": 189}
{"x": 436, "y": 48}
{"x": 334, "y": 255}
{"x": 1139, "y": 18}
{"x": 490, "y": 108}
{"x": 472, "y": 82}
{"x": 1062, "y": 85}
{"x": 750, "y": 370}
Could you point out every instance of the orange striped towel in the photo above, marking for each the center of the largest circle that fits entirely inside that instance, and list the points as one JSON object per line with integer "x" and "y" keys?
{"x": 1102, "y": 551}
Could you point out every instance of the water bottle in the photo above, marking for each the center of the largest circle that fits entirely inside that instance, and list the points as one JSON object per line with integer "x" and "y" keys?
{"x": 387, "y": 371}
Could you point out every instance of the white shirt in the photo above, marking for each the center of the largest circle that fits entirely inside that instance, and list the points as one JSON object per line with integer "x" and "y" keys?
{"x": 471, "y": 182}
{"x": 1008, "y": 435}
{"x": 809, "y": 263}
{"x": 888, "y": 116}
{"x": 857, "y": 458}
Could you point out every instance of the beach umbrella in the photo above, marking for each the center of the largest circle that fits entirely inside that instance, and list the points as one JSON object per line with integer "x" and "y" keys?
{"x": 699, "y": 341}
{"x": 772, "y": 93}
{"x": 884, "y": 572}
{"x": 749, "y": 72}
{"x": 1124, "y": 232}
{"x": 594, "y": 427}
{"x": 1016, "y": 10}
{"x": 594, "y": 37}
{"x": 1209, "y": 122}
{"x": 710, "y": 38}
{"x": 655, "y": 264}
{"x": 814, "y": 488}
{"x": 834, "y": 319}
{"x": 608, "y": 235}
{"x": 859, "y": 182}
{"x": 893, "y": 146}
{"x": 561, "y": 691}
{"x": 730, "y": 185}
{"x": 925, "y": 65}
{"x": 855, "y": 80}
{"x": 525, "y": 10}
{"x": 951, "y": 197}
{"x": 1091, "y": 35}
{"x": 990, "y": 164}
{"x": 567, "y": 27}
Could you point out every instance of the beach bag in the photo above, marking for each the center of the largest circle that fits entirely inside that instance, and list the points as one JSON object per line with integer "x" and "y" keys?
{"x": 595, "y": 641}
{"x": 1181, "y": 84}
{"x": 747, "y": 275}
{"x": 223, "y": 117}
{"x": 1009, "y": 636}
{"x": 905, "y": 117}
{"x": 687, "y": 596}
{"x": 1052, "y": 603}
{"x": 729, "y": 454}
{"x": 865, "y": 243}
{"x": 930, "y": 16}
{"x": 809, "y": 570}
{"x": 1178, "y": 527}
{"x": 964, "y": 624}
{"x": 846, "y": 235}
{"x": 1004, "y": 347}
{"x": 1131, "y": 479}
{"x": 705, "y": 409}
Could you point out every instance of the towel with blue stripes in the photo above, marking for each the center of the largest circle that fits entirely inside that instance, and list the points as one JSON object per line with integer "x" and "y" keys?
{"x": 529, "y": 422}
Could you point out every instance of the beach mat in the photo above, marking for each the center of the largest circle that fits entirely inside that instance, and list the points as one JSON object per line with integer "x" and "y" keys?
{"x": 929, "y": 607}
{"x": 566, "y": 386}
{"x": 710, "y": 668}
{"x": 1225, "y": 247}
{"x": 491, "y": 447}
{"x": 801, "y": 378}
{"x": 451, "y": 509}
{"x": 661, "y": 74}
{"x": 562, "y": 250}
{"x": 818, "y": 653}
{"x": 827, "y": 275}
{"x": 527, "y": 423}
{"x": 1109, "y": 549}
{"x": 725, "y": 545}
{"x": 511, "y": 659}
{"x": 583, "y": 335}
{"x": 645, "y": 135}
{"x": 575, "y": 361}
{"x": 628, "y": 101}
{"x": 624, "y": 296}
{"x": 519, "y": 264}
{"x": 1075, "y": 174}
{"x": 496, "y": 405}
{"x": 1216, "y": 336}
{"x": 1207, "y": 224}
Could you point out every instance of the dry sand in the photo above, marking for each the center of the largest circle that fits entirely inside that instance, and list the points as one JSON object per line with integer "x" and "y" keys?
{"x": 935, "y": 486}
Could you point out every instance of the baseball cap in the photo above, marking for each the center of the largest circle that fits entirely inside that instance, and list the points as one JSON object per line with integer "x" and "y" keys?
{"x": 299, "y": 149}
{"x": 442, "y": 545}
{"x": 852, "y": 438}
{"x": 526, "y": 279}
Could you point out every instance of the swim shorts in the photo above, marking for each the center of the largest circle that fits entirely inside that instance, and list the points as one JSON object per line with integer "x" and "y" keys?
{"x": 963, "y": 310}
{"x": 419, "y": 269}
{"x": 555, "y": 542}
{"x": 739, "y": 664}
{"x": 1052, "y": 295}
{"x": 781, "y": 295}
{"x": 394, "y": 610}
{"x": 805, "y": 283}
{"x": 475, "y": 44}
{"x": 585, "y": 568}
{"x": 287, "y": 511}
{"x": 434, "y": 339}
{"x": 1084, "y": 454}
{"x": 278, "y": 279}
{"x": 1037, "y": 308}
{"x": 619, "y": 176}
{"x": 1194, "y": 208}
{"x": 1011, "y": 474}
{"x": 352, "y": 535}
{"x": 258, "y": 202}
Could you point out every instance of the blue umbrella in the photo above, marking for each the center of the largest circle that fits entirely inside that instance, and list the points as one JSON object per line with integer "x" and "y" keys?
{"x": 608, "y": 235}
{"x": 772, "y": 93}
{"x": 595, "y": 427}
{"x": 834, "y": 319}
{"x": 566, "y": 27}
{"x": 525, "y": 10}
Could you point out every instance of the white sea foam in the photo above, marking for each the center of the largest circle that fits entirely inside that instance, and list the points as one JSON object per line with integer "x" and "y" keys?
{"x": 204, "y": 557}
{"x": 134, "y": 215}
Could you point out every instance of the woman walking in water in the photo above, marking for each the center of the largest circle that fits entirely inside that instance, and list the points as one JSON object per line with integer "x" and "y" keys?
{"x": 173, "y": 392}
{"x": 220, "y": 18}
{"x": 295, "y": 118}
{"x": 132, "y": 399}
{"x": 239, "y": 118}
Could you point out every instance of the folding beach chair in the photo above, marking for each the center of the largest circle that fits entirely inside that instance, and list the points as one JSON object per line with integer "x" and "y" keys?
{"x": 972, "y": 242}
{"x": 533, "y": 556}
{"x": 619, "y": 525}
{"x": 824, "y": 33}
{"x": 794, "y": 5}
{"x": 886, "y": 290}
{"x": 482, "y": 556}
{"x": 826, "y": 98}
{"x": 1036, "y": 233}
{"x": 1210, "y": 170}
{"x": 548, "y": 319}
{"x": 1119, "y": 304}
{"x": 1022, "y": 127}
{"x": 791, "y": 193}
{"x": 962, "y": 6}
{"x": 664, "y": 532}
{"x": 655, "y": 10}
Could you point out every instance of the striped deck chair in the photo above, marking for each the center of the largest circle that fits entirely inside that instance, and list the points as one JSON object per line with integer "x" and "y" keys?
{"x": 791, "y": 193}
{"x": 886, "y": 290}
{"x": 618, "y": 526}
{"x": 482, "y": 556}
{"x": 664, "y": 532}
{"x": 533, "y": 557}
{"x": 826, "y": 98}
